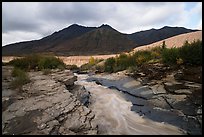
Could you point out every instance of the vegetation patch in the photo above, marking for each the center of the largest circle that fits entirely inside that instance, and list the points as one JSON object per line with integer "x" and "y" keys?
{"x": 109, "y": 65}
{"x": 170, "y": 56}
{"x": 191, "y": 53}
{"x": 188, "y": 54}
{"x": 72, "y": 67}
{"x": 50, "y": 62}
{"x": 90, "y": 65}
{"x": 20, "y": 78}
{"x": 38, "y": 62}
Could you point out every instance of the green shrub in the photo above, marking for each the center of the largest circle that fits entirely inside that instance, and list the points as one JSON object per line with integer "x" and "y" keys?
{"x": 26, "y": 63}
{"x": 85, "y": 67}
{"x": 92, "y": 61}
{"x": 50, "y": 62}
{"x": 90, "y": 65}
{"x": 122, "y": 62}
{"x": 142, "y": 57}
{"x": 20, "y": 63}
{"x": 191, "y": 53}
{"x": 38, "y": 62}
{"x": 187, "y": 54}
{"x": 109, "y": 65}
{"x": 156, "y": 52}
{"x": 170, "y": 56}
{"x": 100, "y": 68}
{"x": 72, "y": 67}
{"x": 17, "y": 72}
{"x": 20, "y": 79}
{"x": 99, "y": 60}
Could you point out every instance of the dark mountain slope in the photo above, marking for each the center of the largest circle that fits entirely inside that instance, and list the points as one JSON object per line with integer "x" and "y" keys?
{"x": 80, "y": 40}
{"x": 45, "y": 43}
{"x": 154, "y": 35}
{"x": 103, "y": 40}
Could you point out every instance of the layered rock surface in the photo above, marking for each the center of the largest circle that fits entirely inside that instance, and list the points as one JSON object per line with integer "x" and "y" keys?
{"x": 45, "y": 106}
{"x": 157, "y": 93}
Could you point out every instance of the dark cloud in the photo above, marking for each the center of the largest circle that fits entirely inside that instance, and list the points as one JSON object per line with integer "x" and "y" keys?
{"x": 18, "y": 24}
{"x": 74, "y": 12}
{"x": 15, "y": 16}
{"x": 44, "y": 18}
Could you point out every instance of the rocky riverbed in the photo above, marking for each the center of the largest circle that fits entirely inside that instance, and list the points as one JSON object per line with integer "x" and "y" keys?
{"x": 162, "y": 94}
{"x": 45, "y": 106}
{"x": 113, "y": 112}
{"x": 63, "y": 103}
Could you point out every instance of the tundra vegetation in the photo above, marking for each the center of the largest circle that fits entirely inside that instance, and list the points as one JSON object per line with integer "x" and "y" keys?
{"x": 92, "y": 63}
{"x": 34, "y": 62}
{"x": 188, "y": 54}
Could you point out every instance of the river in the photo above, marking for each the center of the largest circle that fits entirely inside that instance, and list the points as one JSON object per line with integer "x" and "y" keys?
{"x": 114, "y": 116}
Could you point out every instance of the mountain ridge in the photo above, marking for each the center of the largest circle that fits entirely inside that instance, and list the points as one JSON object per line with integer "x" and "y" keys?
{"x": 81, "y": 40}
{"x": 154, "y": 35}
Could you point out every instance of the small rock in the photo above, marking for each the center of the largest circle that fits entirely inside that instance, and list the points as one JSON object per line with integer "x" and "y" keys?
{"x": 141, "y": 74}
{"x": 199, "y": 111}
{"x": 70, "y": 81}
{"x": 42, "y": 126}
{"x": 168, "y": 84}
{"x": 158, "y": 89}
{"x": 53, "y": 123}
{"x": 193, "y": 85}
{"x": 183, "y": 91}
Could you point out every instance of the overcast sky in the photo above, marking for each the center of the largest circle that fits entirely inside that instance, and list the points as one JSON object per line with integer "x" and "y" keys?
{"x": 23, "y": 21}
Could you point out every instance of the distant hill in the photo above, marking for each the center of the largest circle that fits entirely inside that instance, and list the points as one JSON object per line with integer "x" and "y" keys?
{"x": 154, "y": 35}
{"x": 176, "y": 41}
{"x": 47, "y": 42}
{"x": 80, "y": 40}
{"x": 68, "y": 33}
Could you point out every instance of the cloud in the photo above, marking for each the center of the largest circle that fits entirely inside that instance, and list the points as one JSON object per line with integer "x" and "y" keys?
{"x": 18, "y": 36}
{"x": 19, "y": 16}
{"x": 44, "y": 18}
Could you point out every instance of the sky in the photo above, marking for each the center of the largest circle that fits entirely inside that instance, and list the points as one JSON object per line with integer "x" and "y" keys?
{"x": 23, "y": 21}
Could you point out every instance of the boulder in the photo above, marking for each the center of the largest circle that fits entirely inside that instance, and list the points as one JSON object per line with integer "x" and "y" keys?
{"x": 69, "y": 81}
{"x": 66, "y": 77}
{"x": 81, "y": 94}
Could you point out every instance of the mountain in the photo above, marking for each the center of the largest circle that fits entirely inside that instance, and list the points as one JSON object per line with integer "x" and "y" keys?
{"x": 46, "y": 43}
{"x": 75, "y": 40}
{"x": 154, "y": 35}
{"x": 103, "y": 40}
{"x": 81, "y": 40}
{"x": 70, "y": 32}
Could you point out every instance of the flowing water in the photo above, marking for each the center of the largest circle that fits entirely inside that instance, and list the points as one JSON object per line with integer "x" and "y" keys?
{"x": 114, "y": 116}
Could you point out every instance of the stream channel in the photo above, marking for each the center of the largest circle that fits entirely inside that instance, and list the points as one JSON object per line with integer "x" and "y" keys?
{"x": 119, "y": 111}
